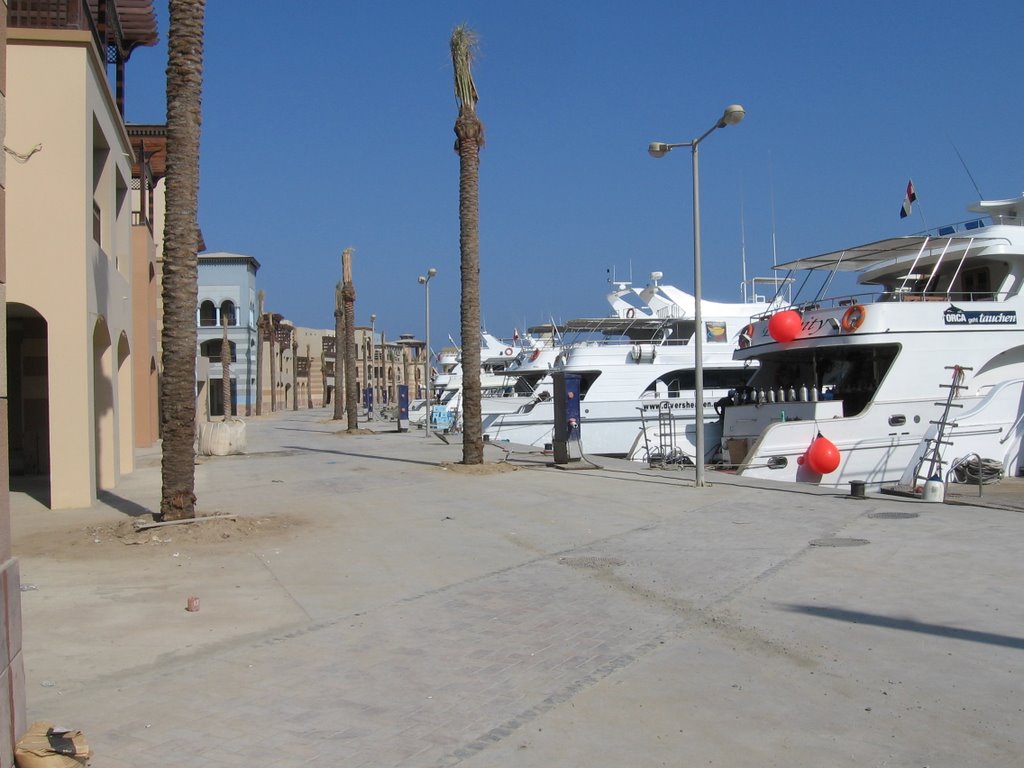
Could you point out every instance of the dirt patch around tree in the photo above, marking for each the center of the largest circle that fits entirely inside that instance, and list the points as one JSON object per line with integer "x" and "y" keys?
{"x": 479, "y": 469}
{"x": 104, "y": 538}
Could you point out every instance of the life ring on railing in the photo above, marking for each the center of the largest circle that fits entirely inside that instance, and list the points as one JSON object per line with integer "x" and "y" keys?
{"x": 746, "y": 336}
{"x": 630, "y": 313}
{"x": 853, "y": 318}
{"x": 535, "y": 355}
{"x": 508, "y": 351}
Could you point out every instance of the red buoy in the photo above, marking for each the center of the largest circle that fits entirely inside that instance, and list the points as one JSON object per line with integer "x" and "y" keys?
{"x": 823, "y": 456}
{"x": 785, "y": 326}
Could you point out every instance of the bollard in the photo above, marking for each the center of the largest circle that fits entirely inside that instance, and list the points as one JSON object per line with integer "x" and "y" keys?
{"x": 857, "y": 489}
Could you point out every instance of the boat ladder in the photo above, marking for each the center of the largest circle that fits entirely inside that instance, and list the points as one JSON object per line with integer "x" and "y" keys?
{"x": 932, "y": 455}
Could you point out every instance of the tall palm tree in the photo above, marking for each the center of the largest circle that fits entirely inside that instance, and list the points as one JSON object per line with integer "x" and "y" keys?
{"x": 225, "y": 368}
{"x": 260, "y": 332}
{"x": 469, "y": 132}
{"x": 339, "y": 353}
{"x": 348, "y": 298}
{"x": 309, "y": 380}
{"x": 295, "y": 373}
{"x": 180, "y": 266}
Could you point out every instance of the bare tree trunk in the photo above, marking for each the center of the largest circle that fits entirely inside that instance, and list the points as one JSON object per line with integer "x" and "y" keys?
{"x": 348, "y": 297}
{"x": 309, "y": 380}
{"x": 272, "y": 326}
{"x": 339, "y": 354}
{"x": 260, "y": 332}
{"x": 295, "y": 373}
{"x": 180, "y": 266}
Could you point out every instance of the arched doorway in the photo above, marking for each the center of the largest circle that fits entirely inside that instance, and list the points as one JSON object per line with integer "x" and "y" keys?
{"x": 28, "y": 401}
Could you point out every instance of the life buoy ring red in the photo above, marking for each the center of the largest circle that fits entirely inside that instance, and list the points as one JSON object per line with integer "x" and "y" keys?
{"x": 853, "y": 318}
{"x": 746, "y": 336}
{"x": 535, "y": 355}
{"x": 508, "y": 351}
{"x": 630, "y": 313}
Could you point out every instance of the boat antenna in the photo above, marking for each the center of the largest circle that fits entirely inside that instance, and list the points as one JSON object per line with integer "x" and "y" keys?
{"x": 771, "y": 200}
{"x": 743, "y": 245}
{"x": 967, "y": 170}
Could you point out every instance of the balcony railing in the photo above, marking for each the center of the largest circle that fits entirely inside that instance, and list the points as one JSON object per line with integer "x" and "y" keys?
{"x": 57, "y": 14}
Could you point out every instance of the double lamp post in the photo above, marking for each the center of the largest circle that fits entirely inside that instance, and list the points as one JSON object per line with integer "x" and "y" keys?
{"x": 732, "y": 115}
{"x": 425, "y": 282}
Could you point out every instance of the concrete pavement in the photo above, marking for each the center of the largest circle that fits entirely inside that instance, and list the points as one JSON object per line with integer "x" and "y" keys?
{"x": 392, "y": 612}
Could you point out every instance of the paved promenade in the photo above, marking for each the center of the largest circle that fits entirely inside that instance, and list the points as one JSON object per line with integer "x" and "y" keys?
{"x": 383, "y": 610}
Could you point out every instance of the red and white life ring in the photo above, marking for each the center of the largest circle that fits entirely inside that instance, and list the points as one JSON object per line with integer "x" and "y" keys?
{"x": 535, "y": 355}
{"x": 508, "y": 351}
{"x": 746, "y": 336}
{"x": 853, "y": 318}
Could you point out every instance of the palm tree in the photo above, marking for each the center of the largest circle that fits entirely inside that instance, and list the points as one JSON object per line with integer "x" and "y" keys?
{"x": 309, "y": 380}
{"x": 295, "y": 372}
{"x": 225, "y": 368}
{"x": 348, "y": 298}
{"x": 469, "y": 132}
{"x": 261, "y": 321}
{"x": 339, "y": 348}
{"x": 180, "y": 267}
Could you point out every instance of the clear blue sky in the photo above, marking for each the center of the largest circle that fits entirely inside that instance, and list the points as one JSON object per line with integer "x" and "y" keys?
{"x": 329, "y": 124}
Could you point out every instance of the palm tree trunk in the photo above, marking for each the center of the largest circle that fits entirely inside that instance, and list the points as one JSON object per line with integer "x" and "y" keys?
{"x": 272, "y": 327}
{"x": 180, "y": 266}
{"x": 295, "y": 373}
{"x": 469, "y": 131}
{"x": 348, "y": 298}
{"x": 225, "y": 369}
{"x": 339, "y": 354}
{"x": 260, "y": 332}
{"x": 309, "y": 380}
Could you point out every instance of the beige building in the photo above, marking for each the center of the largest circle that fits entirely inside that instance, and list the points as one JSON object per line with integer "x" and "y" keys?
{"x": 71, "y": 268}
{"x": 12, "y": 667}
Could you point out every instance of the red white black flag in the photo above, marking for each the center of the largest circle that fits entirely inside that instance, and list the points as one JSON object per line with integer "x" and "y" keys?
{"x": 908, "y": 201}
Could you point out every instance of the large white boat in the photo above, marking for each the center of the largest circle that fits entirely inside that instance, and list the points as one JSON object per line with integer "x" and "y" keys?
{"x": 639, "y": 373}
{"x": 937, "y": 344}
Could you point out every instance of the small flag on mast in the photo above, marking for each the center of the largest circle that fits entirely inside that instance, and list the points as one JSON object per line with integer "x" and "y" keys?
{"x": 908, "y": 201}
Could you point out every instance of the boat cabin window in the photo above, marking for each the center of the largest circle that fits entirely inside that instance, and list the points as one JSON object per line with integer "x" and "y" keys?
{"x": 976, "y": 284}
{"x": 676, "y": 383}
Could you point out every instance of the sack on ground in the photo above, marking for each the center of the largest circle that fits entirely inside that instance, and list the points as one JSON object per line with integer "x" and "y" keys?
{"x": 46, "y": 746}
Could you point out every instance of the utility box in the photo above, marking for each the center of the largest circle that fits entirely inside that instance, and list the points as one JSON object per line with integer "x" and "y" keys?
{"x": 566, "y": 443}
{"x": 403, "y": 407}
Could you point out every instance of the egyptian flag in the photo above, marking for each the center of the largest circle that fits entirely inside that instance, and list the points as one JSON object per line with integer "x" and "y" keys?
{"x": 908, "y": 201}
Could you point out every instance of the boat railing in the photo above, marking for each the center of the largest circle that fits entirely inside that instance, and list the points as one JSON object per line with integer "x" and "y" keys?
{"x": 875, "y": 297}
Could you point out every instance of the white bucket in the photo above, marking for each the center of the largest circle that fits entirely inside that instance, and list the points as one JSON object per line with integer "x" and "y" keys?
{"x": 934, "y": 491}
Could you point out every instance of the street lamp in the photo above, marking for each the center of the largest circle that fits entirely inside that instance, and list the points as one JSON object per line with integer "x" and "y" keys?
{"x": 425, "y": 282}
{"x": 732, "y": 115}
{"x": 371, "y": 376}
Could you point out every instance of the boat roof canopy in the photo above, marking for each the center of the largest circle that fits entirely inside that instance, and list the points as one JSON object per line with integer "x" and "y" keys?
{"x": 894, "y": 250}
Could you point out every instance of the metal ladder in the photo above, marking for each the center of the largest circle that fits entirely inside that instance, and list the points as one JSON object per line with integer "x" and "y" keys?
{"x": 666, "y": 433}
{"x": 933, "y": 452}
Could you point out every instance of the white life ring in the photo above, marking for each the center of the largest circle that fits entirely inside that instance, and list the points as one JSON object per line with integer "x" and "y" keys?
{"x": 508, "y": 351}
{"x": 630, "y": 313}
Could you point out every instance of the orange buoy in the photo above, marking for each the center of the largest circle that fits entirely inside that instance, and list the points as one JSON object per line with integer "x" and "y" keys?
{"x": 822, "y": 456}
{"x": 785, "y": 326}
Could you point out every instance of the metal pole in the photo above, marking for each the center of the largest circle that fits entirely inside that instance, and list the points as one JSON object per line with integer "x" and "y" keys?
{"x": 698, "y": 333}
{"x": 426, "y": 355}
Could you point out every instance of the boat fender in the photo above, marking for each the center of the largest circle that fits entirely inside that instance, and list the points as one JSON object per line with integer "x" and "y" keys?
{"x": 637, "y": 352}
{"x": 853, "y": 318}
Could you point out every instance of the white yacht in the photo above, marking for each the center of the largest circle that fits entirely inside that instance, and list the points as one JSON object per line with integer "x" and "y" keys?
{"x": 639, "y": 374}
{"x": 495, "y": 357}
{"x": 904, "y": 379}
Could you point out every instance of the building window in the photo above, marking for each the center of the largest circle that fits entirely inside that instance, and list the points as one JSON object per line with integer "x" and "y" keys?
{"x": 207, "y": 314}
{"x": 211, "y": 349}
{"x": 227, "y": 313}
{"x": 97, "y": 223}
